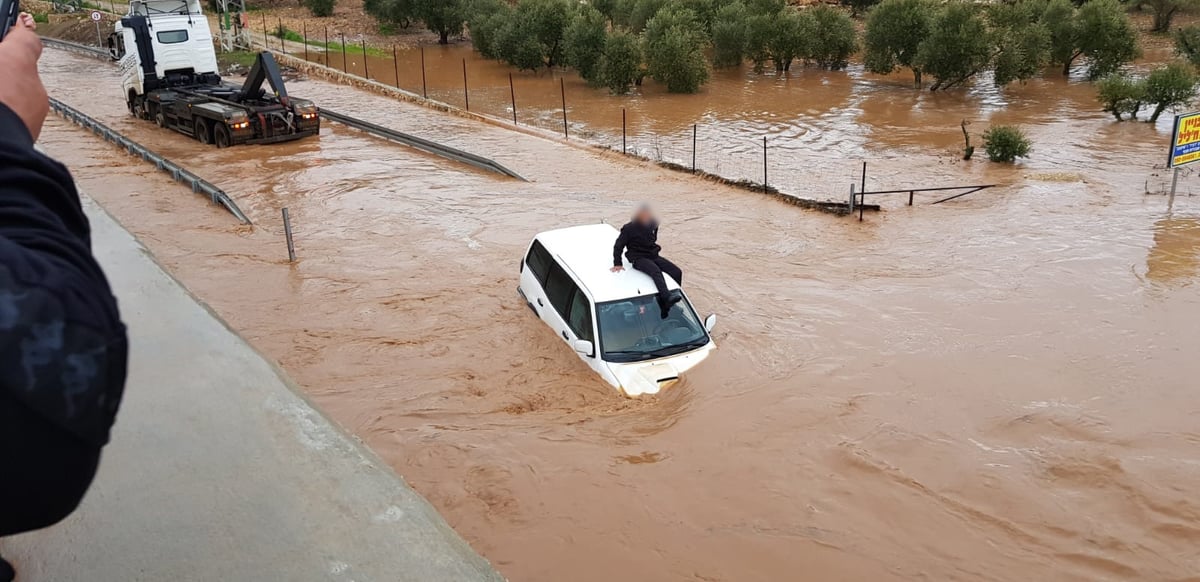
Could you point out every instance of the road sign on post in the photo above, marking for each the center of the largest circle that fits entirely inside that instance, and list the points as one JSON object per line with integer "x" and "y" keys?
{"x": 1185, "y": 145}
{"x": 96, "y": 20}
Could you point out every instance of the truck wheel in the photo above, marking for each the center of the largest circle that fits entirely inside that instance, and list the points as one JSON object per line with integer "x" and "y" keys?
{"x": 139, "y": 107}
{"x": 202, "y": 132}
{"x": 221, "y": 136}
{"x": 157, "y": 115}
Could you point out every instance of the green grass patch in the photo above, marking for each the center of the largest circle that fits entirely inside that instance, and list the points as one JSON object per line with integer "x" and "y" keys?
{"x": 352, "y": 49}
{"x": 243, "y": 58}
{"x": 41, "y": 17}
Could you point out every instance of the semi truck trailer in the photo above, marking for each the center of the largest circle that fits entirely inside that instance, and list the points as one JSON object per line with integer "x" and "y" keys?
{"x": 169, "y": 75}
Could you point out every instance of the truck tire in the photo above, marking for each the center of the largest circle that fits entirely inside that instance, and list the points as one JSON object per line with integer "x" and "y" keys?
{"x": 160, "y": 118}
{"x": 139, "y": 107}
{"x": 221, "y": 136}
{"x": 202, "y": 134}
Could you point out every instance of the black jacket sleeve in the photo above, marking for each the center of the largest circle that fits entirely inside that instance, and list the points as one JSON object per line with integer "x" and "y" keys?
{"x": 63, "y": 347}
{"x": 619, "y": 248}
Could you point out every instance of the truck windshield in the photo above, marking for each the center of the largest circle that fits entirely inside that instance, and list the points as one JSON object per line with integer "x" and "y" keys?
{"x": 632, "y": 330}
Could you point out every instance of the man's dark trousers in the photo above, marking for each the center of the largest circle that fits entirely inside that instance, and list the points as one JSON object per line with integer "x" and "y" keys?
{"x": 655, "y": 267}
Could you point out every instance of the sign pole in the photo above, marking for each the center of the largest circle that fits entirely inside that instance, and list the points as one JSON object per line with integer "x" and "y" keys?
{"x": 1174, "y": 183}
{"x": 96, "y": 20}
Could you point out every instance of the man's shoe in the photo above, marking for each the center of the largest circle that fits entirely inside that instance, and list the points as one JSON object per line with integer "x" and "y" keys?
{"x": 7, "y": 574}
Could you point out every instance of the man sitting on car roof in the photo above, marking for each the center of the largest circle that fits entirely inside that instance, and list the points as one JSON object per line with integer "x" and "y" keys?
{"x": 639, "y": 241}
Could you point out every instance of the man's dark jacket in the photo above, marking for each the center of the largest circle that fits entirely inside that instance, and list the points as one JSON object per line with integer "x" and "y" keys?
{"x": 63, "y": 348}
{"x": 640, "y": 239}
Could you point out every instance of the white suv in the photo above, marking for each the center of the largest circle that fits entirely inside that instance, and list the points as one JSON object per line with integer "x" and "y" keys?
{"x": 611, "y": 319}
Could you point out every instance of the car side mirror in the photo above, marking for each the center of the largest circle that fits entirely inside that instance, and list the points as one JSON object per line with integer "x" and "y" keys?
{"x": 710, "y": 322}
{"x": 583, "y": 346}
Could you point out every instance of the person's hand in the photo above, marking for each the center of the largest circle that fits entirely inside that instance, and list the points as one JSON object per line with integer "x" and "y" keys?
{"x": 617, "y": 269}
{"x": 22, "y": 89}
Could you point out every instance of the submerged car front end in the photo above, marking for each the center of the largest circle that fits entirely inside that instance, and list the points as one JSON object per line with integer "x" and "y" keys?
{"x": 651, "y": 376}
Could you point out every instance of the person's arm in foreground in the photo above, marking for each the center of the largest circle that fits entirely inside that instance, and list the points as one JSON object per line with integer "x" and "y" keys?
{"x": 62, "y": 345}
{"x": 618, "y": 248}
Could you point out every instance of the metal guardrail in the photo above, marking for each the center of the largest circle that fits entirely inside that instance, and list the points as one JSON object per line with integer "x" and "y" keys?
{"x": 422, "y": 144}
{"x": 199, "y": 185}
{"x": 80, "y": 48}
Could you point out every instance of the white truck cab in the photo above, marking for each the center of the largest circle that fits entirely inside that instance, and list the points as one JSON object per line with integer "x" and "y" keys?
{"x": 611, "y": 320}
{"x": 160, "y": 39}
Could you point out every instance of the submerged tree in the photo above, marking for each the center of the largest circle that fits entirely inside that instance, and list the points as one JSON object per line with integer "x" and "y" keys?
{"x": 895, "y": 29}
{"x": 1121, "y": 95}
{"x": 830, "y": 37}
{"x": 958, "y": 46}
{"x": 584, "y": 40}
{"x": 1187, "y": 44}
{"x": 674, "y": 50}
{"x": 1106, "y": 38}
{"x": 621, "y": 64}
{"x": 1169, "y": 86}
{"x": 729, "y": 35}
{"x": 444, "y": 17}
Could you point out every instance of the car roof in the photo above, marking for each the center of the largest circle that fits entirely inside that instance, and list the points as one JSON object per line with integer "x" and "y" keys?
{"x": 586, "y": 251}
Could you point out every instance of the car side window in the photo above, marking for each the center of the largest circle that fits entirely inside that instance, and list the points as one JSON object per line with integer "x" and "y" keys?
{"x": 580, "y": 319}
{"x": 559, "y": 287}
{"x": 539, "y": 261}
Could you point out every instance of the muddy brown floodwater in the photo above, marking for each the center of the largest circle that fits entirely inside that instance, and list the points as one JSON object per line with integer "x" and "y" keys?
{"x": 1002, "y": 387}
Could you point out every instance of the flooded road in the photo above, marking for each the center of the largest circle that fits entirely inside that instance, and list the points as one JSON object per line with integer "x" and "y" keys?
{"x": 996, "y": 388}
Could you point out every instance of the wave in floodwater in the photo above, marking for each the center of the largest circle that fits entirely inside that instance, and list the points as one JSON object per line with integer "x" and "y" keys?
{"x": 1000, "y": 387}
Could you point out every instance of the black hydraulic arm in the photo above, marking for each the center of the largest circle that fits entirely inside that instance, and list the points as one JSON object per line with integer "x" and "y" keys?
{"x": 265, "y": 70}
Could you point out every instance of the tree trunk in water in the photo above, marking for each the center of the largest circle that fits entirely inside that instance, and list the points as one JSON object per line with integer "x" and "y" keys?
{"x": 917, "y": 78}
{"x": 444, "y": 37}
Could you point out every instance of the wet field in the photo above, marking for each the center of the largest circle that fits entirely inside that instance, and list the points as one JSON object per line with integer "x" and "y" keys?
{"x": 1000, "y": 387}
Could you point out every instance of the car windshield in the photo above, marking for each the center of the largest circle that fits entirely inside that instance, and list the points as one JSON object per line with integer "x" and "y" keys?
{"x": 633, "y": 329}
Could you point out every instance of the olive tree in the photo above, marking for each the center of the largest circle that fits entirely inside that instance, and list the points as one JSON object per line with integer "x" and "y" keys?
{"x": 958, "y": 46}
{"x": 1169, "y": 86}
{"x": 1121, "y": 95}
{"x": 1005, "y": 143}
{"x": 584, "y": 41}
{"x": 1187, "y": 44}
{"x": 444, "y": 17}
{"x": 392, "y": 12}
{"x": 859, "y": 6}
{"x": 320, "y": 7}
{"x": 674, "y": 50}
{"x": 729, "y": 35}
{"x": 1164, "y": 12}
{"x": 895, "y": 29}
{"x": 620, "y": 65}
{"x": 486, "y": 19}
{"x": 829, "y": 37}
{"x": 1106, "y": 38}
{"x": 1020, "y": 41}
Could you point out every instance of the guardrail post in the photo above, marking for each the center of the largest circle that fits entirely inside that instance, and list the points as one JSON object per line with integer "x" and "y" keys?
{"x": 287, "y": 231}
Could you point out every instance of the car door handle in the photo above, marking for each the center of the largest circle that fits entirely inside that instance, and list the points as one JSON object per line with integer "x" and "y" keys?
{"x": 564, "y": 333}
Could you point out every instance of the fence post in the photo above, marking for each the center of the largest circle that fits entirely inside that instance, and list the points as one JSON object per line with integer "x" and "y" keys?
{"x": 266, "y": 44}
{"x": 694, "y": 148}
{"x": 466, "y": 92}
{"x": 910, "y": 197}
{"x": 863, "y": 188}
{"x": 623, "y": 133}
{"x": 305, "y": 27}
{"x": 279, "y": 24}
{"x": 512, "y": 91}
{"x": 852, "y": 198}
{"x": 764, "y": 163}
{"x": 424, "y": 86}
{"x": 396, "y": 66}
{"x": 366, "y": 73}
{"x": 862, "y": 204}
{"x": 326, "y": 53}
{"x": 562, "y": 84}
{"x": 287, "y": 231}
{"x": 342, "y": 37}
